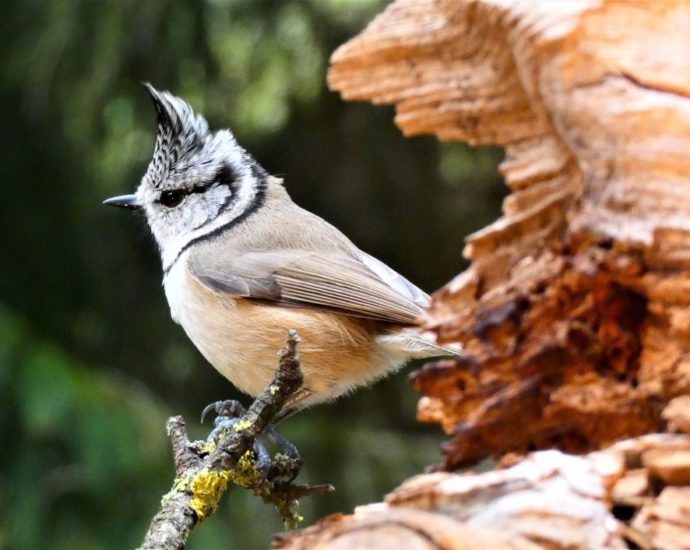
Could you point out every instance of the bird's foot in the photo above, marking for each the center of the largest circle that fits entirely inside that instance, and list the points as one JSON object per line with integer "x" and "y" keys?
{"x": 287, "y": 461}
{"x": 228, "y": 408}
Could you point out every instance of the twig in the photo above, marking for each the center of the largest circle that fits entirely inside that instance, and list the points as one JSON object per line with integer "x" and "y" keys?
{"x": 203, "y": 471}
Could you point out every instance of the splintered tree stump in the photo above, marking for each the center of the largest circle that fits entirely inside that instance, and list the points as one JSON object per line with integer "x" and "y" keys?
{"x": 574, "y": 313}
{"x": 634, "y": 494}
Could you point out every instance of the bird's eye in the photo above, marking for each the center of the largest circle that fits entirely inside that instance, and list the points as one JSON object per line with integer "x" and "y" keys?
{"x": 172, "y": 198}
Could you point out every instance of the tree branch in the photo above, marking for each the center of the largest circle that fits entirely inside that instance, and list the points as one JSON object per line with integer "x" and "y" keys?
{"x": 203, "y": 470}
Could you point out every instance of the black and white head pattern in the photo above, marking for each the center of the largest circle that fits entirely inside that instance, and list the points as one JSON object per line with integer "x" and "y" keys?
{"x": 198, "y": 181}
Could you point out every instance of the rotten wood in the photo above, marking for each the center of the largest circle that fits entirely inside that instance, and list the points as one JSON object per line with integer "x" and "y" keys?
{"x": 614, "y": 499}
{"x": 575, "y": 312}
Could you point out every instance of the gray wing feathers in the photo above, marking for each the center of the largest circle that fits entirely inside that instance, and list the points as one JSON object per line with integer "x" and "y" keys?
{"x": 395, "y": 280}
{"x": 239, "y": 286}
{"x": 355, "y": 285}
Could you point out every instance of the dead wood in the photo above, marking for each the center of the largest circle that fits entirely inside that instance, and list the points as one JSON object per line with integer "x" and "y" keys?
{"x": 574, "y": 313}
{"x": 634, "y": 494}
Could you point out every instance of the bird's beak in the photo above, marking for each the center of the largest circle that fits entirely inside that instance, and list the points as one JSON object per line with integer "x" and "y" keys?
{"x": 123, "y": 201}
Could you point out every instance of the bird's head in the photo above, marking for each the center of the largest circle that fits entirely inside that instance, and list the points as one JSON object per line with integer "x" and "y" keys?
{"x": 198, "y": 180}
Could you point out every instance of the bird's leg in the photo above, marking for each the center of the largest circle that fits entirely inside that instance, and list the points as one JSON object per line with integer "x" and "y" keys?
{"x": 287, "y": 462}
{"x": 229, "y": 413}
{"x": 229, "y": 408}
{"x": 228, "y": 416}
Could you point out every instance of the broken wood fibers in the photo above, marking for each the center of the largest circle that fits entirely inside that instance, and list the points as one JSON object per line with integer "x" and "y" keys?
{"x": 575, "y": 312}
{"x": 633, "y": 494}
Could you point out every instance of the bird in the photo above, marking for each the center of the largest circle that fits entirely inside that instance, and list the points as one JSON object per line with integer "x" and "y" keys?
{"x": 243, "y": 264}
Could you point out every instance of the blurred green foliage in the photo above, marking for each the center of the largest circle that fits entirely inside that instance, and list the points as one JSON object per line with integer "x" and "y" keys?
{"x": 90, "y": 363}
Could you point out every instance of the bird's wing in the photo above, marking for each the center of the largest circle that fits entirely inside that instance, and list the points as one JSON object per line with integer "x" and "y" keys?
{"x": 351, "y": 283}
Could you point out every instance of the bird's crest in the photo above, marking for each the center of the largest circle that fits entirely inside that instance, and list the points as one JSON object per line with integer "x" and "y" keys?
{"x": 180, "y": 134}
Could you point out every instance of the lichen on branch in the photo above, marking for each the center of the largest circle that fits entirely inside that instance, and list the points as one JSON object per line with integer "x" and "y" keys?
{"x": 205, "y": 470}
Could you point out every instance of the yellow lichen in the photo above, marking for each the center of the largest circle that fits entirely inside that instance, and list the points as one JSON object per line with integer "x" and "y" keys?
{"x": 273, "y": 389}
{"x": 241, "y": 425}
{"x": 287, "y": 508}
{"x": 179, "y": 485}
{"x": 206, "y": 488}
{"x": 167, "y": 496}
{"x": 245, "y": 473}
{"x": 248, "y": 476}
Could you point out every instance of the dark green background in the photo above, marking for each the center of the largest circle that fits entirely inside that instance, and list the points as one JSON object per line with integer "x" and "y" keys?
{"x": 90, "y": 362}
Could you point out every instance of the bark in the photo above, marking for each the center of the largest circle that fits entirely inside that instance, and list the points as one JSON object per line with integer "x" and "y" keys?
{"x": 634, "y": 494}
{"x": 574, "y": 312}
{"x": 204, "y": 471}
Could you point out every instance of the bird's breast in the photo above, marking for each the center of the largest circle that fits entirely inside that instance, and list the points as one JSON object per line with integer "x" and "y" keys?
{"x": 241, "y": 338}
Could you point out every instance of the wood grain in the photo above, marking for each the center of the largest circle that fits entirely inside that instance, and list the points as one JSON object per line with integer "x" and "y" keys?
{"x": 574, "y": 312}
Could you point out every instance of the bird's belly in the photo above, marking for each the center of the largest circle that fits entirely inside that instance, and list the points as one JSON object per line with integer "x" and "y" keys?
{"x": 241, "y": 339}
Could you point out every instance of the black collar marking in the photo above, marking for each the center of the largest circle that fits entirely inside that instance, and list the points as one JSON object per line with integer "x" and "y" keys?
{"x": 257, "y": 202}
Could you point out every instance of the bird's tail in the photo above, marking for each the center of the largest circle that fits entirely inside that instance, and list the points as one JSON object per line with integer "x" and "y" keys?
{"x": 418, "y": 345}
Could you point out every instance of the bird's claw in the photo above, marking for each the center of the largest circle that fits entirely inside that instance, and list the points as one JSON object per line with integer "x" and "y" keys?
{"x": 228, "y": 416}
{"x": 220, "y": 424}
{"x": 287, "y": 448}
{"x": 228, "y": 408}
